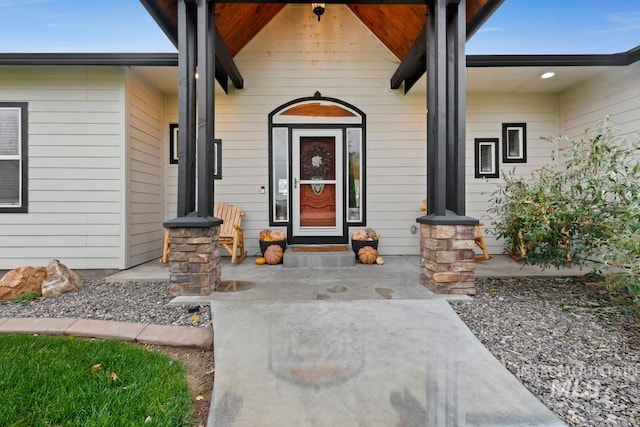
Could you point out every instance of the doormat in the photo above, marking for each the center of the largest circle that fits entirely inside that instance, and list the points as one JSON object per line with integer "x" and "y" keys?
{"x": 320, "y": 249}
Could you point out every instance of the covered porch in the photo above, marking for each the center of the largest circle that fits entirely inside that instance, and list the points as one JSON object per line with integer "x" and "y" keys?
{"x": 425, "y": 37}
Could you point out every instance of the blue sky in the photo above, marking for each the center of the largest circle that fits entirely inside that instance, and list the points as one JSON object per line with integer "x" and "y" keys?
{"x": 519, "y": 26}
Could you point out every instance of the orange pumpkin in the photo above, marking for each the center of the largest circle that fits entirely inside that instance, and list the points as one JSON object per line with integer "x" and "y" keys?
{"x": 264, "y": 233}
{"x": 273, "y": 255}
{"x": 367, "y": 255}
{"x": 260, "y": 260}
{"x": 359, "y": 235}
{"x": 277, "y": 235}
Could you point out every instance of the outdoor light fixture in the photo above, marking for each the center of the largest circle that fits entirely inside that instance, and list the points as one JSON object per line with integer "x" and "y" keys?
{"x": 318, "y": 9}
{"x": 548, "y": 75}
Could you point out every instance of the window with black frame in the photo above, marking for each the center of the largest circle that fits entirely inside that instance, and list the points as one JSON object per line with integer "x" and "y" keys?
{"x": 13, "y": 157}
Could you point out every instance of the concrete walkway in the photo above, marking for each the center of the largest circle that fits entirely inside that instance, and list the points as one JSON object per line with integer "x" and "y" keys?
{"x": 359, "y": 363}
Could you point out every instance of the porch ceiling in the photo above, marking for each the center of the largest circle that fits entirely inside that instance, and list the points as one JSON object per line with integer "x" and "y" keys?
{"x": 397, "y": 23}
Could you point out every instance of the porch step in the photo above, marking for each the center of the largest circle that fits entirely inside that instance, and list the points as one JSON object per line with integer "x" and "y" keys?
{"x": 318, "y": 256}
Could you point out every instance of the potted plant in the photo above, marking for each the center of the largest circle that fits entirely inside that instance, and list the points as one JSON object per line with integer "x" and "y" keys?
{"x": 272, "y": 237}
{"x": 362, "y": 238}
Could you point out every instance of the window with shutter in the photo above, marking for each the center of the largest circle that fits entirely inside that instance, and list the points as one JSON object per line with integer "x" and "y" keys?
{"x": 13, "y": 157}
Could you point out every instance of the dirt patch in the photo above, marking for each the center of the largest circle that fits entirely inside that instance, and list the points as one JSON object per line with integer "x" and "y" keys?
{"x": 200, "y": 372}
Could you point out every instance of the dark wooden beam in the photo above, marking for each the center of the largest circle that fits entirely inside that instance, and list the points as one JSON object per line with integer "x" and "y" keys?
{"x": 414, "y": 60}
{"x": 206, "y": 103}
{"x": 223, "y": 58}
{"x": 436, "y": 108}
{"x": 456, "y": 111}
{"x": 186, "y": 110}
{"x": 413, "y": 64}
{"x": 445, "y": 67}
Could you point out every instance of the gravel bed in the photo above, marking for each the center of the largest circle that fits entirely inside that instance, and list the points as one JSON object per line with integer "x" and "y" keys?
{"x": 140, "y": 302}
{"x": 565, "y": 342}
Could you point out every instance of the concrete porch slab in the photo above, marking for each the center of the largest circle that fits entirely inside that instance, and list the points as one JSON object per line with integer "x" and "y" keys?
{"x": 359, "y": 363}
{"x": 318, "y": 259}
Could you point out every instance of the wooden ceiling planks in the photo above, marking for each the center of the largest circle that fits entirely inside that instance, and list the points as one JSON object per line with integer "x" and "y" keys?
{"x": 239, "y": 23}
{"x": 396, "y": 26}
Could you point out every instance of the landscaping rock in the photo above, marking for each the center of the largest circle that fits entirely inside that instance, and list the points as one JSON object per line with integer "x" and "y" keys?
{"x": 22, "y": 280}
{"x": 60, "y": 280}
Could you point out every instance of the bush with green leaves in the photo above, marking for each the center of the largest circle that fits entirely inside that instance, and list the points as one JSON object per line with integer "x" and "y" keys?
{"x": 581, "y": 208}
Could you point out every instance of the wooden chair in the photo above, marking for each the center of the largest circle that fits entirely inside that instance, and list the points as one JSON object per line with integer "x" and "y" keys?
{"x": 479, "y": 239}
{"x": 231, "y": 233}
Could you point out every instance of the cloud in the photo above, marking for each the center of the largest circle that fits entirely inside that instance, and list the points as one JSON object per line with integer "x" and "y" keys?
{"x": 490, "y": 29}
{"x": 16, "y": 3}
{"x": 622, "y": 23}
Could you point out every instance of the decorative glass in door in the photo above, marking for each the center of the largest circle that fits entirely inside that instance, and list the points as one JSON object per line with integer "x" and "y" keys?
{"x": 318, "y": 182}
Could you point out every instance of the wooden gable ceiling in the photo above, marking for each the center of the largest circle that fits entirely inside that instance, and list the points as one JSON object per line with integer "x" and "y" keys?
{"x": 396, "y": 25}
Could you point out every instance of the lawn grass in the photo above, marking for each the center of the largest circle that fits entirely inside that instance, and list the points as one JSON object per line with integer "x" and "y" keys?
{"x": 65, "y": 381}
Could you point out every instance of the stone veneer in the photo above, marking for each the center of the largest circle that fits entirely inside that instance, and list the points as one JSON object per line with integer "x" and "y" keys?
{"x": 446, "y": 258}
{"x": 194, "y": 260}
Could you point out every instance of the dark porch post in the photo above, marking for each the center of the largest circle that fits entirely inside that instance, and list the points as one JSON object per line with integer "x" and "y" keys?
{"x": 186, "y": 108}
{"x": 194, "y": 260}
{"x": 447, "y": 235}
{"x": 206, "y": 105}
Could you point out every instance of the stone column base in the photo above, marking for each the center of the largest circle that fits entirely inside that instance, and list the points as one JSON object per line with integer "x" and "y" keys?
{"x": 446, "y": 258}
{"x": 194, "y": 260}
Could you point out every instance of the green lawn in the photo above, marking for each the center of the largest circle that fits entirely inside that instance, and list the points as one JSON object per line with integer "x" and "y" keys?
{"x": 62, "y": 381}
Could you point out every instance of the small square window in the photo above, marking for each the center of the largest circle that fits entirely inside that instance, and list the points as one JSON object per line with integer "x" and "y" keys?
{"x": 486, "y": 158}
{"x": 514, "y": 142}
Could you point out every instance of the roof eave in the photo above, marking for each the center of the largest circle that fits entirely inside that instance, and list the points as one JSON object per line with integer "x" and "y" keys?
{"x": 133, "y": 59}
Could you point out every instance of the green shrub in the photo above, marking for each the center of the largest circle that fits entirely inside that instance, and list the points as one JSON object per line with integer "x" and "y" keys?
{"x": 582, "y": 208}
{"x": 25, "y": 298}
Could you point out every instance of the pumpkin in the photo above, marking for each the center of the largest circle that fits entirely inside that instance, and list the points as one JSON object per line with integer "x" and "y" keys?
{"x": 277, "y": 235}
{"x": 367, "y": 255}
{"x": 264, "y": 233}
{"x": 273, "y": 255}
{"x": 359, "y": 235}
{"x": 267, "y": 239}
{"x": 379, "y": 260}
{"x": 260, "y": 261}
{"x": 371, "y": 233}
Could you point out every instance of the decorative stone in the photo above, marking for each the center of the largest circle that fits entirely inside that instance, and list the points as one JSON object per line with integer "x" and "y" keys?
{"x": 22, "y": 280}
{"x": 446, "y": 252}
{"x": 195, "y": 261}
{"x": 60, "y": 280}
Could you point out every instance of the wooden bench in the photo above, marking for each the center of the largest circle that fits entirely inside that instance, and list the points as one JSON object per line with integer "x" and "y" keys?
{"x": 231, "y": 233}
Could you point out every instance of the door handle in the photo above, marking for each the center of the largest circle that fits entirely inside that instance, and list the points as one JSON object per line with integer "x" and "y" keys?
{"x": 295, "y": 182}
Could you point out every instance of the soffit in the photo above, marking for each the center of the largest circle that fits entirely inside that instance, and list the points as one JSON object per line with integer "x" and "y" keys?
{"x": 492, "y": 80}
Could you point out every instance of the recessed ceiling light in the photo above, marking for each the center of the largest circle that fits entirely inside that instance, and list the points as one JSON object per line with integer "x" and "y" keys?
{"x": 548, "y": 75}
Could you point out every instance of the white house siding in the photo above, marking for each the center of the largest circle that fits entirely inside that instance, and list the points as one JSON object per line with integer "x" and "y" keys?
{"x": 485, "y": 115}
{"x": 170, "y": 170}
{"x": 76, "y": 129}
{"x": 615, "y": 93}
{"x": 292, "y": 57}
{"x": 145, "y": 127}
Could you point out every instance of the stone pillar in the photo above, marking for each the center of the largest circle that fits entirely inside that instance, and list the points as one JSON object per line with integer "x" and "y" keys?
{"x": 194, "y": 260}
{"x": 446, "y": 258}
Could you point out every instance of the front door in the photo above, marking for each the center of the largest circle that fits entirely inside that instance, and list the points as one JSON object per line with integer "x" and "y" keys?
{"x": 317, "y": 202}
